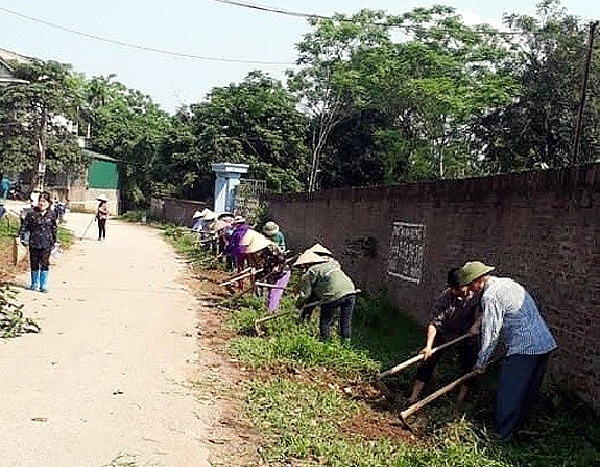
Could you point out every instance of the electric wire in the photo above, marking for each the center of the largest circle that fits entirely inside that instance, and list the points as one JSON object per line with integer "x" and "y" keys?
{"x": 140, "y": 47}
{"x": 406, "y": 27}
{"x": 268, "y": 9}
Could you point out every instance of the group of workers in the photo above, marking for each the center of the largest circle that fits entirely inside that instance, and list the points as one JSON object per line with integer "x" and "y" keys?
{"x": 262, "y": 257}
{"x": 484, "y": 309}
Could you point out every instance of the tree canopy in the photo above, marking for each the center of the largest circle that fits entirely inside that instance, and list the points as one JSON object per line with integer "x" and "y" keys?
{"x": 40, "y": 111}
{"x": 375, "y": 98}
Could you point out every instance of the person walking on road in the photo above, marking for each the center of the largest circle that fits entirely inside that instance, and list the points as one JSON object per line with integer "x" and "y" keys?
{"x": 455, "y": 313}
{"x": 102, "y": 216}
{"x": 510, "y": 314}
{"x": 38, "y": 231}
{"x": 324, "y": 281}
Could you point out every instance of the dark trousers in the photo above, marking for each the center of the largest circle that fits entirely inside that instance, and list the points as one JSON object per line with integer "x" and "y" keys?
{"x": 101, "y": 228}
{"x": 467, "y": 356}
{"x": 520, "y": 380}
{"x": 39, "y": 258}
{"x": 329, "y": 314}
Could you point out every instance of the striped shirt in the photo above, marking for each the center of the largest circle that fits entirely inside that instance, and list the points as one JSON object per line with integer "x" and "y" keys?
{"x": 510, "y": 314}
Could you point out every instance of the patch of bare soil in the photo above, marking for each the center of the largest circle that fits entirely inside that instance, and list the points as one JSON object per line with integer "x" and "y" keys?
{"x": 236, "y": 442}
{"x": 8, "y": 270}
{"x": 220, "y": 379}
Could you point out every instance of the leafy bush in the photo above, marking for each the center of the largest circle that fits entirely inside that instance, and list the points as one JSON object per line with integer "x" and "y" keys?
{"x": 12, "y": 321}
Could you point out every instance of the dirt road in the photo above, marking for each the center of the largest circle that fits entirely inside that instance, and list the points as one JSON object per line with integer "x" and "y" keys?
{"x": 109, "y": 380}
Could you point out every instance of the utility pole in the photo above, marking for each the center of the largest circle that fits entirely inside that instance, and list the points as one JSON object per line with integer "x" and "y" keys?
{"x": 41, "y": 146}
{"x": 584, "y": 78}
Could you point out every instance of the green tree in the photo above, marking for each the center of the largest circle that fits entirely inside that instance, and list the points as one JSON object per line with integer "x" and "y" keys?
{"x": 417, "y": 81}
{"x": 537, "y": 129}
{"x": 256, "y": 123}
{"x": 440, "y": 79}
{"x": 40, "y": 112}
{"x": 324, "y": 82}
{"x": 127, "y": 125}
{"x": 180, "y": 171}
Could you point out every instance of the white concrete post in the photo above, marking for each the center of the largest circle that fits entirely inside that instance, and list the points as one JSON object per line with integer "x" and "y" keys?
{"x": 228, "y": 178}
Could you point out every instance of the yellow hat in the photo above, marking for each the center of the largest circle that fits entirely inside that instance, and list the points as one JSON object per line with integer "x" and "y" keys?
{"x": 257, "y": 243}
{"x": 245, "y": 240}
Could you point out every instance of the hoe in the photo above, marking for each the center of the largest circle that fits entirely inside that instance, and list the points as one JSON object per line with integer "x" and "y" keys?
{"x": 259, "y": 321}
{"x": 413, "y": 408}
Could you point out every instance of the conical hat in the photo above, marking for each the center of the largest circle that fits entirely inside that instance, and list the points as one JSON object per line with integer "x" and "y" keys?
{"x": 247, "y": 238}
{"x": 196, "y": 215}
{"x": 320, "y": 250}
{"x": 270, "y": 228}
{"x": 218, "y": 225}
{"x": 309, "y": 257}
{"x": 209, "y": 215}
{"x": 257, "y": 243}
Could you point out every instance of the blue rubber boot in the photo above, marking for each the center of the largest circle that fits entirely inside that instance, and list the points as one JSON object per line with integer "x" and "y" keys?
{"x": 44, "y": 281}
{"x": 35, "y": 280}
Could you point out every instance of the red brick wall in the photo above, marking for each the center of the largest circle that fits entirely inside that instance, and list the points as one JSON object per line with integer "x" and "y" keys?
{"x": 540, "y": 228}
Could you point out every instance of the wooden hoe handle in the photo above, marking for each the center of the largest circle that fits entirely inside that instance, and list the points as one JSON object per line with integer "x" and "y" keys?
{"x": 417, "y": 358}
{"x": 411, "y": 409}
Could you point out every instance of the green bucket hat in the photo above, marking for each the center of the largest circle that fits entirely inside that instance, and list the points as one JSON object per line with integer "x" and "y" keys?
{"x": 472, "y": 271}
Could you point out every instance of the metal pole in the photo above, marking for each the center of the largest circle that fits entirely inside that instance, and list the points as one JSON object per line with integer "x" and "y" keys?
{"x": 42, "y": 150}
{"x": 586, "y": 71}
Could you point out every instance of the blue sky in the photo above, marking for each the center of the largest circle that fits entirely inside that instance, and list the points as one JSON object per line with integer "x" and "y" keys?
{"x": 198, "y": 27}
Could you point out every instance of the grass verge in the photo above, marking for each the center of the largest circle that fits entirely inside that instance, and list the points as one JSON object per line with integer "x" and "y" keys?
{"x": 315, "y": 403}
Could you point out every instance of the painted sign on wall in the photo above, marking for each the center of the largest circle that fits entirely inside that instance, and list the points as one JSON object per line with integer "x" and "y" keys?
{"x": 406, "y": 253}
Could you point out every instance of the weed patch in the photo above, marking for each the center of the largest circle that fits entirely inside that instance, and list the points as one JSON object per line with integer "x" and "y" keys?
{"x": 12, "y": 321}
{"x": 315, "y": 402}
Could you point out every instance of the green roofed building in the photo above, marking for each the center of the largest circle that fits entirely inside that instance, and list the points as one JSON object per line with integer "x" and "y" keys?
{"x": 103, "y": 173}
{"x": 102, "y": 178}
{"x": 81, "y": 191}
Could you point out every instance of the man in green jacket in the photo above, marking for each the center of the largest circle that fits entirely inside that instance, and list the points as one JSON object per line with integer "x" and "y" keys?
{"x": 325, "y": 282}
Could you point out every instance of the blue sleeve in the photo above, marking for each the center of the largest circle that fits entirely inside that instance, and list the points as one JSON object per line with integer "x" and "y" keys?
{"x": 491, "y": 324}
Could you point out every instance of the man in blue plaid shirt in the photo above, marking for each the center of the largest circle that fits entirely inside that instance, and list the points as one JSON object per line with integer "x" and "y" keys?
{"x": 510, "y": 315}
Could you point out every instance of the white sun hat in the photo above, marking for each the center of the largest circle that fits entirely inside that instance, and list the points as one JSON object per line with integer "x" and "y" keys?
{"x": 309, "y": 257}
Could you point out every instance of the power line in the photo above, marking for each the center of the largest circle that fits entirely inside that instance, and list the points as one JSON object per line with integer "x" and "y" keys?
{"x": 272, "y": 10}
{"x": 139, "y": 47}
{"x": 407, "y": 27}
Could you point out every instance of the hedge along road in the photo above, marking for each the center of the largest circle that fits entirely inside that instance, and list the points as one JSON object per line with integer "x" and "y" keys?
{"x": 107, "y": 381}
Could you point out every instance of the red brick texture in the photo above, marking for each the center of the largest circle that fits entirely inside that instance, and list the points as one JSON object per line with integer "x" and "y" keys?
{"x": 541, "y": 228}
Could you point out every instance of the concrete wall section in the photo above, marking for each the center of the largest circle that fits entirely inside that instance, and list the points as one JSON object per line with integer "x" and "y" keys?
{"x": 178, "y": 211}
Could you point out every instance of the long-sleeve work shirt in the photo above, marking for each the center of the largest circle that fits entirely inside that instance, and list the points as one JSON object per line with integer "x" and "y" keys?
{"x": 510, "y": 314}
{"x": 325, "y": 282}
